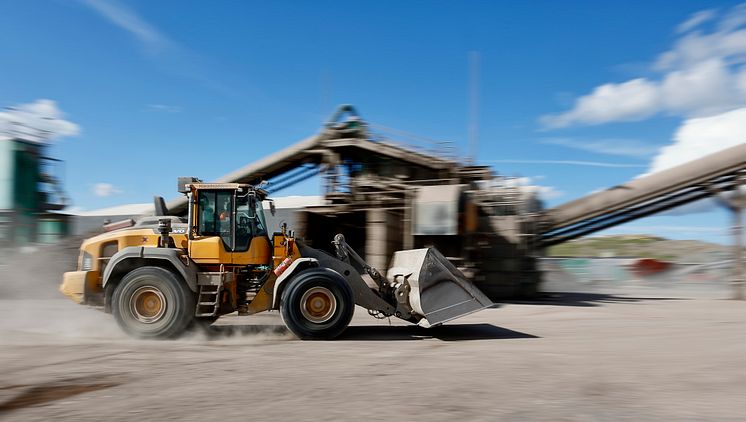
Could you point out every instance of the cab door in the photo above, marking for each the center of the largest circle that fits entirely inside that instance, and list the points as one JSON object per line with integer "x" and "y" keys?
{"x": 251, "y": 245}
{"x": 214, "y": 238}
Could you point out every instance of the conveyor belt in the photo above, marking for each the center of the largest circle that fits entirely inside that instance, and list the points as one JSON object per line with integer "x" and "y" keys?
{"x": 333, "y": 143}
{"x": 644, "y": 196}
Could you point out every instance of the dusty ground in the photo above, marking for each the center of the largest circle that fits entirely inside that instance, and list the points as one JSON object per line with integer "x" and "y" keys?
{"x": 635, "y": 352}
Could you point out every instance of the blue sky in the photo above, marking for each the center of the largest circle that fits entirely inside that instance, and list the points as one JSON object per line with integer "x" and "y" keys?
{"x": 168, "y": 88}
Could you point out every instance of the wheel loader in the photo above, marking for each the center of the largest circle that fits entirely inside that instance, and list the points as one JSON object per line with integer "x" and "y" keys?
{"x": 162, "y": 275}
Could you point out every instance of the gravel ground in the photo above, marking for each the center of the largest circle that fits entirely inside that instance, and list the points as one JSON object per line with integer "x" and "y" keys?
{"x": 587, "y": 352}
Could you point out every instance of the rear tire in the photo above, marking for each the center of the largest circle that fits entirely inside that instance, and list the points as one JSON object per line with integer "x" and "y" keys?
{"x": 152, "y": 302}
{"x": 317, "y": 304}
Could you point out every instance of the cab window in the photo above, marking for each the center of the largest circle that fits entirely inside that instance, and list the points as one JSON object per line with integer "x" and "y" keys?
{"x": 244, "y": 226}
{"x": 261, "y": 223}
{"x": 215, "y": 215}
{"x": 249, "y": 221}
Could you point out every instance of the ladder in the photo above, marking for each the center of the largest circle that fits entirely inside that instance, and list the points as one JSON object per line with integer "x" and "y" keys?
{"x": 208, "y": 300}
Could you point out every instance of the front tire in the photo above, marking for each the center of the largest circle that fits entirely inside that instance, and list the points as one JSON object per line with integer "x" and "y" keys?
{"x": 317, "y": 304}
{"x": 152, "y": 302}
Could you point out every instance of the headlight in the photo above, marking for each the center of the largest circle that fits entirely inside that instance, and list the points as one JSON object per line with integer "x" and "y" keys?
{"x": 86, "y": 264}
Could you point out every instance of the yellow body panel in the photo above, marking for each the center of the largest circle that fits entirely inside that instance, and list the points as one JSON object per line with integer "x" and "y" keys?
{"x": 209, "y": 250}
{"x": 263, "y": 299}
{"x": 76, "y": 284}
{"x": 279, "y": 250}
{"x": 283, "y": 247}
{"x": 83, "y": 285}
{"x": 125, "y": 238}
{"x": 259, "y": 253}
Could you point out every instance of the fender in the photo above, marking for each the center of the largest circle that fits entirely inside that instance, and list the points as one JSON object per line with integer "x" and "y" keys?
{"x": 297, "y": 265}
{"x": 134, "y": 257}
{"x": 362, "y": 294}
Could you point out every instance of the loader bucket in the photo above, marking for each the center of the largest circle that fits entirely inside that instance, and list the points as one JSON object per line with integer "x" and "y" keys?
{"x": 439, "y": 291}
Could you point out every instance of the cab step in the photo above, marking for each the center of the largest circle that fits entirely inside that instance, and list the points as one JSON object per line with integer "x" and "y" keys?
{"x": 208, "y": 300}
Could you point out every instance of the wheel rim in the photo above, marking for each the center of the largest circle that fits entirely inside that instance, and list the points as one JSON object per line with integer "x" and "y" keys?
{"x": 148, "y": 304}
{"x": 318, "y": 305}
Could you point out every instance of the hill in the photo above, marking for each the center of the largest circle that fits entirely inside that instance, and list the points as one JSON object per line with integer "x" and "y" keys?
{"x": 642, "y": 246}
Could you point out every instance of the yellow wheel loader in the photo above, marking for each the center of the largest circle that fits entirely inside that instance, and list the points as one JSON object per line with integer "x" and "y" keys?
{"x": 163, "y": 274}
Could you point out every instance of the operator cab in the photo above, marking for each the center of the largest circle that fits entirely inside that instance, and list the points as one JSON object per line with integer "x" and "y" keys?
{"x": 235, "y": 215}
{"x": 232, "y": 213}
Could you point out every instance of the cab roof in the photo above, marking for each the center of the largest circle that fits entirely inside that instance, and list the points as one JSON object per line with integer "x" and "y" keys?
{"x": 229, "y": 186}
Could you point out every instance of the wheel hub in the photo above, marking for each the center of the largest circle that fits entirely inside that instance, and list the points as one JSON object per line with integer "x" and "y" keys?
{"x": 148, "y": 304}
{"x": 318, "y": 304}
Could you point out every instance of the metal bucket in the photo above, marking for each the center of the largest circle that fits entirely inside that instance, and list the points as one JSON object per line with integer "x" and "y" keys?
{"x": 438, "y": 291}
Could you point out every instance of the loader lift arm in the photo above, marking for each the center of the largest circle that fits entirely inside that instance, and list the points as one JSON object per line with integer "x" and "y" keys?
{"x": 346, "y": 253}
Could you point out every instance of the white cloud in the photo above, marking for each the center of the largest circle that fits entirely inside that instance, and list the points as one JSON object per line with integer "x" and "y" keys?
{"x": 633, "y": 100}
{"x": 622, "y": 147}
{"x": 171, "y": 56}
{"x": 550, "y": 192}
{"x": 704, "y": 73}
{"x": 695, "y": 20}
{"x": 530, "y": 185}
{"x": 128, "y": 20}
{"x": 40, "y": 121}
{"x": 105, "y": 189}
{"x": 703, "y": 88}
{"x": 702, "y": 78}
{"x": 698, "y": 137}
{"x": 165, "y": 108}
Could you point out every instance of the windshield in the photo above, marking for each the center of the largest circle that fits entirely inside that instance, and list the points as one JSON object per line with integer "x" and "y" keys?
{"x": 215, "y": 217}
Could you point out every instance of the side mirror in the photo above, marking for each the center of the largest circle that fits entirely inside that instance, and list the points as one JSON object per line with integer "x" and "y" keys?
{"x": 272, "y": 208}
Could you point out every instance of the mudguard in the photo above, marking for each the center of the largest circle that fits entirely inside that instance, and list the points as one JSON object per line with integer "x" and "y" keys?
{"x": 297, "y": 265}
{"x": 135, "y": 256}
{"x": 363, "y": 294}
